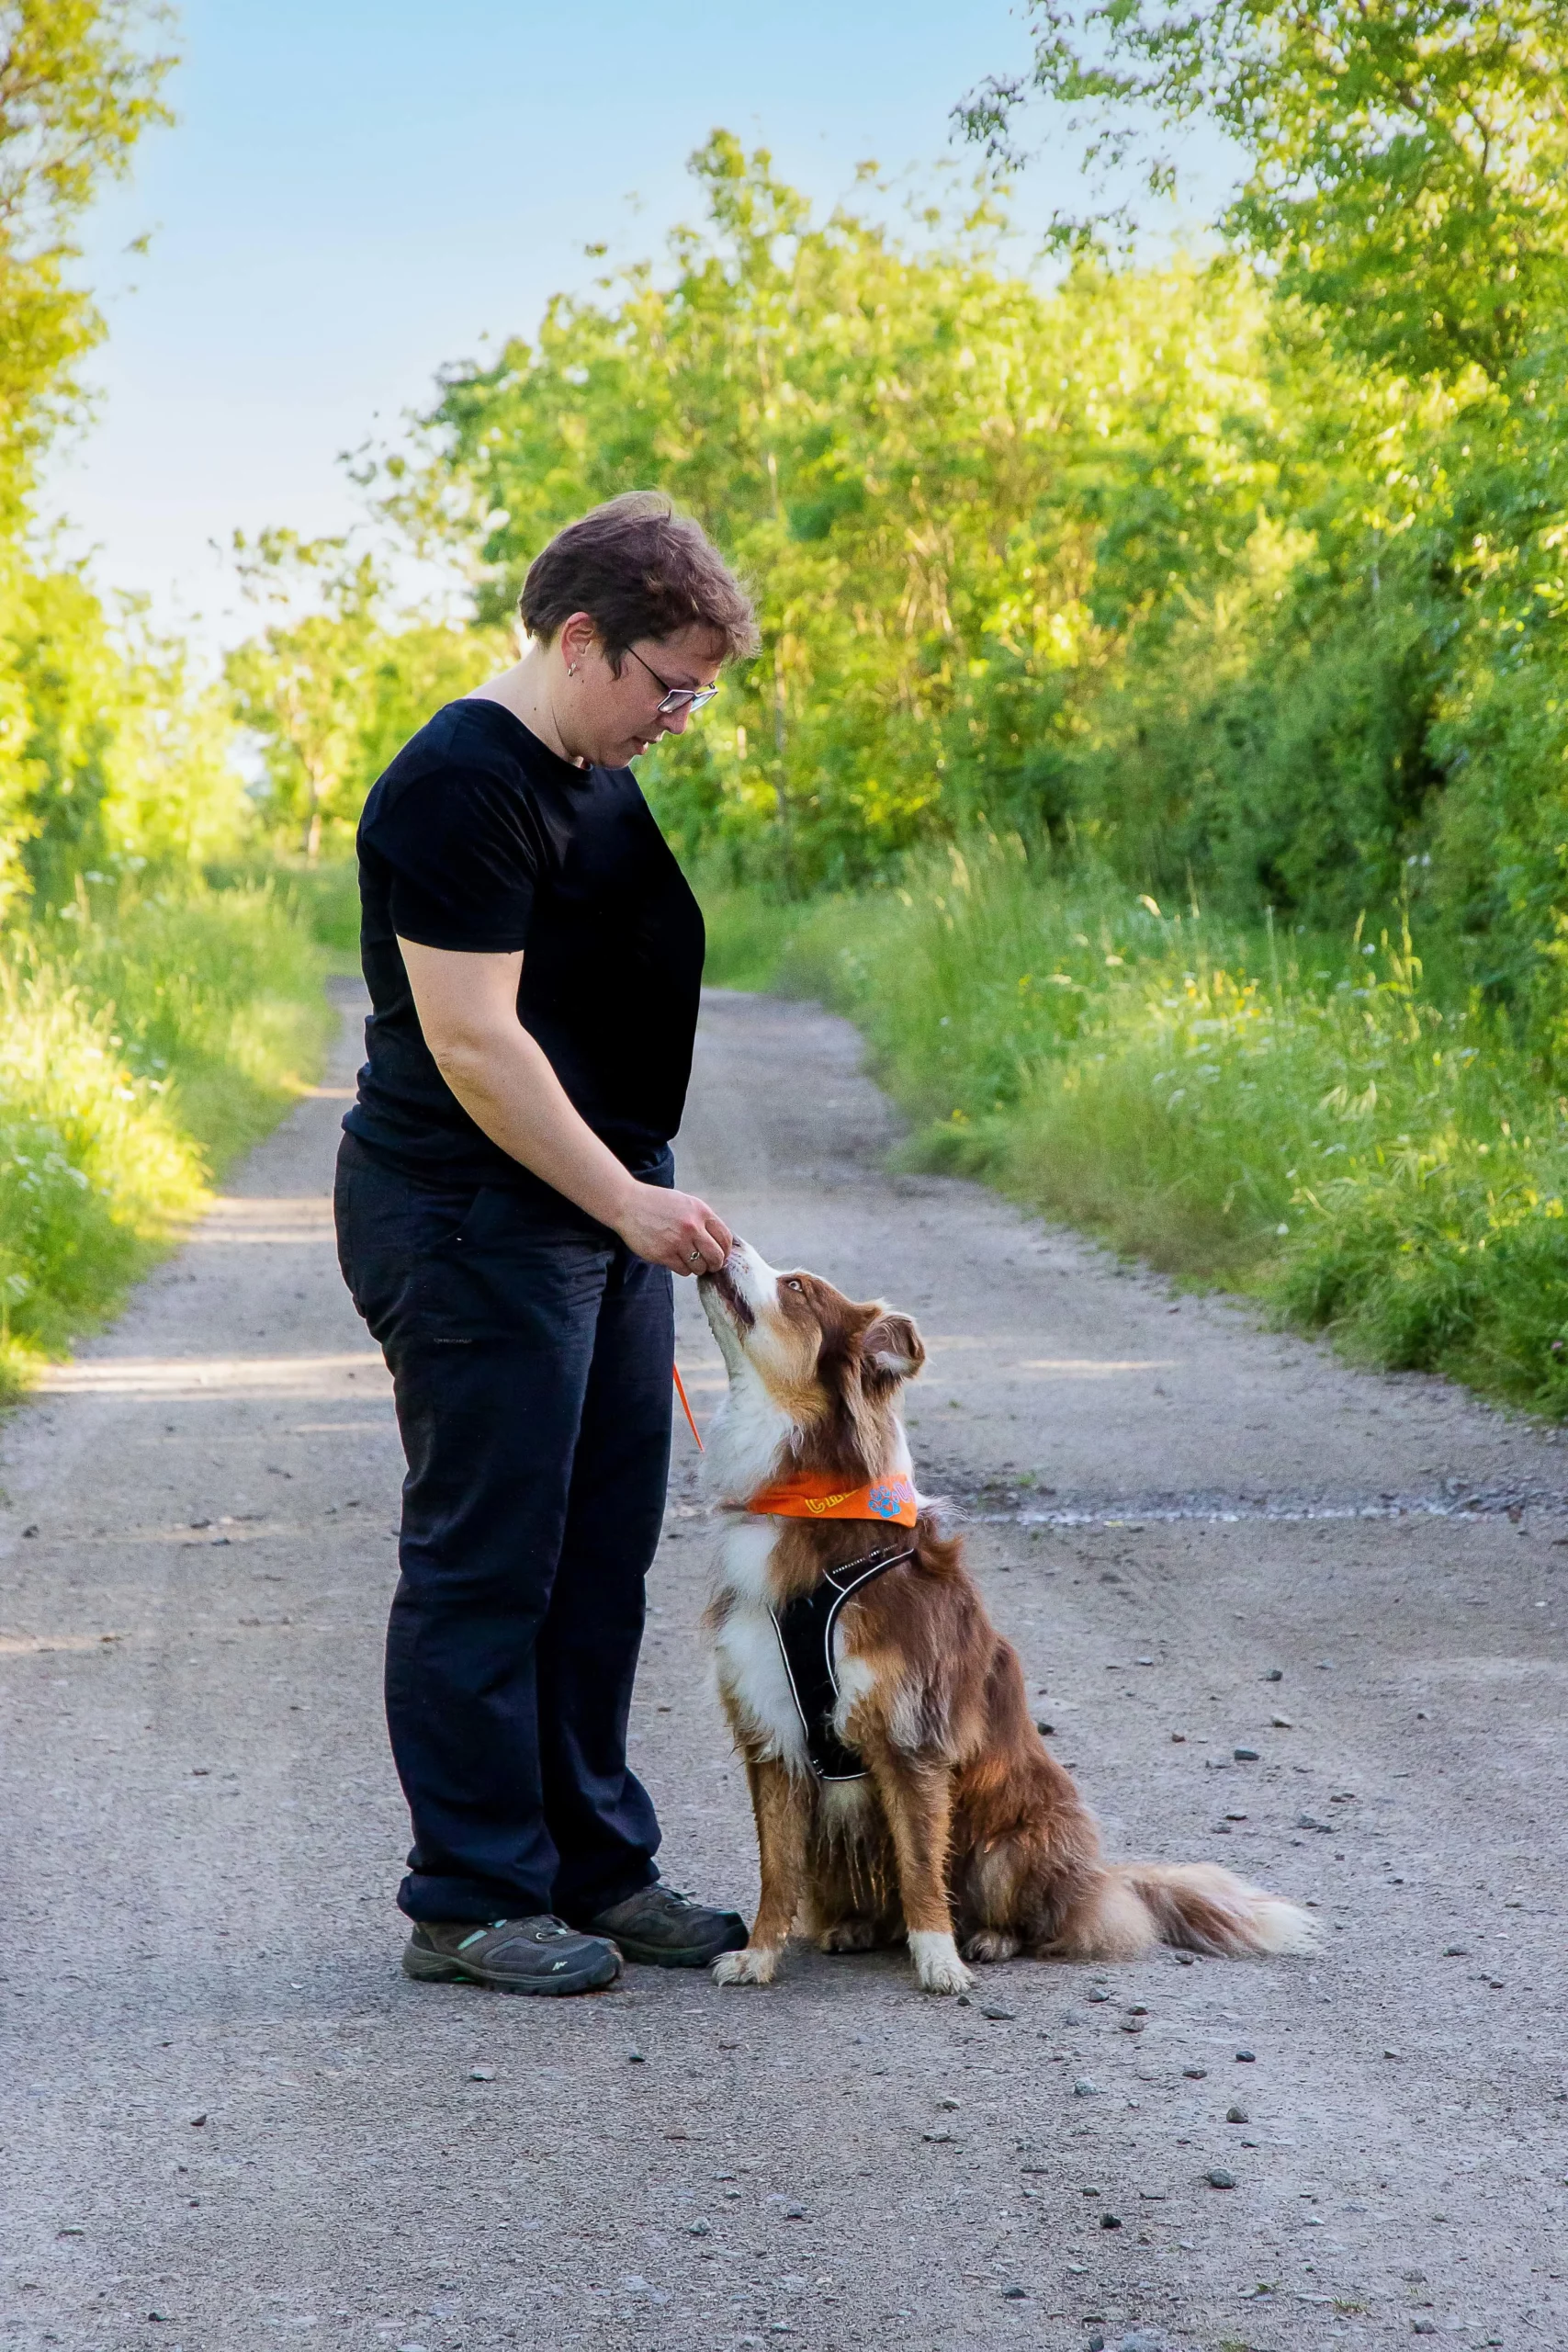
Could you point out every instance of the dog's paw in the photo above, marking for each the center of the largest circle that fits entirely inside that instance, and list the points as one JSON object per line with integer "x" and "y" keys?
{"x": 938, "y": 1968}
{"x": 851, "y": 1935}
{"x": 748, "y": 1967}
{"x": 992, "y": 1943}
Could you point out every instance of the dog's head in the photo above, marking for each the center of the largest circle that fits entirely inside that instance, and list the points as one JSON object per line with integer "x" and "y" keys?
{"x": 814, "y": 1376}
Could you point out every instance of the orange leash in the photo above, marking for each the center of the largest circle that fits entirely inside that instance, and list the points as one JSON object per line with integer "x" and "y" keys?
{"x": 685, "y": 1407}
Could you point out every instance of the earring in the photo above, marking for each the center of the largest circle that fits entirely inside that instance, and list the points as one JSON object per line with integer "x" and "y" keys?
{"x": 572, "y": 670}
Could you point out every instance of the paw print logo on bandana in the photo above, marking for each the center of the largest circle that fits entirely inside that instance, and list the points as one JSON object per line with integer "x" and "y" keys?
{"x": 888, "y": 1500}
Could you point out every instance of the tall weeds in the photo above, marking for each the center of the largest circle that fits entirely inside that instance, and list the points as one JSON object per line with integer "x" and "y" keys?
{"x": 144, "y": 1041}
{"x": 1311, "y": 1121}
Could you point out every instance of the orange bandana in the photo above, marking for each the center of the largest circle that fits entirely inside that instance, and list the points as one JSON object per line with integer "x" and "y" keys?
{"x": 812, "y": 1494}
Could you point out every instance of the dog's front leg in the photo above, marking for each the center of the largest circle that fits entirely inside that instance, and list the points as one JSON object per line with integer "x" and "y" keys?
{"x": 782, "y": 1803}
{"x": 917, "y": 1802}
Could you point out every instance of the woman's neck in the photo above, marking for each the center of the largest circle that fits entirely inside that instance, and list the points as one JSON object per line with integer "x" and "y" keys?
{"x": 525, "y": 691}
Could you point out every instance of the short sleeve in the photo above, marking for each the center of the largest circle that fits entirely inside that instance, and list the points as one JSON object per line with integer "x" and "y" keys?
{"x": 463, "y": 859}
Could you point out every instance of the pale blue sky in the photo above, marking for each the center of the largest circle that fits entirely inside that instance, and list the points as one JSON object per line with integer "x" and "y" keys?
{"x": 354, "y": 194}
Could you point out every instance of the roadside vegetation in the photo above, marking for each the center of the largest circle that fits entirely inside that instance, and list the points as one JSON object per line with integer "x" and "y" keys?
{"x": 168, "y": 908}
{"x": 139, "y": 1054}
{"x": 1314, "y": 1121}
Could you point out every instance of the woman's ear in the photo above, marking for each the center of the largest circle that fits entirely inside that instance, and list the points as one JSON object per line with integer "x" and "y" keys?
{"x": 576, "y": 640}
{"x": 891, "y": 1349}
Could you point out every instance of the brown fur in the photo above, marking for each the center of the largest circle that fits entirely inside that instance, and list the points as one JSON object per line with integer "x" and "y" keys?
{"x": 967, "y": 1825}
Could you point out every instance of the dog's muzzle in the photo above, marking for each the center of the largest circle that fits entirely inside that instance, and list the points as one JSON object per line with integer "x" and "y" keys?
{"x": 726, "y": 1287}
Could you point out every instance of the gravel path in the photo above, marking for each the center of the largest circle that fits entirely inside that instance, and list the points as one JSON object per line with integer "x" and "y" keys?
{"x": 230, "y": 2122}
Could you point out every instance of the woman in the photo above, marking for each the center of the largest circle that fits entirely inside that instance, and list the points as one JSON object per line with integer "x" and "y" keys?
{"x": 508, "y": 1225}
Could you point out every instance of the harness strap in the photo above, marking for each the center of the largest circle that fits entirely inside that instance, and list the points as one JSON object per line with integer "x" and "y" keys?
{"x": 804, "y": 1630}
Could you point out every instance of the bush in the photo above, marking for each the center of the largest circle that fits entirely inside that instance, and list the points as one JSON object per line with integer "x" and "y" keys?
{"x": 142, "y": 1046}
{"x": 1310, "y": 1121}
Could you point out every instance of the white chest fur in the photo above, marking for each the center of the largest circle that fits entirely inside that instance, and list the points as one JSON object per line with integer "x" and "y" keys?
{"x": 747, "y": 1656}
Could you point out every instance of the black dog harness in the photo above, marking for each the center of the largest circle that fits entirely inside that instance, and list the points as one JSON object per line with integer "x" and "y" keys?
{"x": 804, "y": 1628}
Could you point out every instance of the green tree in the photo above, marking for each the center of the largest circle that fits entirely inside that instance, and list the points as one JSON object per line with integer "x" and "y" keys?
{"x": 1408, "y": 158}
{"x": 958, "y": 494}
{"x": 78, "y": 86}
{"x": 175, "y": 799}
{"x": 113, "y": 753}
{"x": 1145, "y": 556}
{"x": 336, "y": 683}
{"x": 79, "y": 82}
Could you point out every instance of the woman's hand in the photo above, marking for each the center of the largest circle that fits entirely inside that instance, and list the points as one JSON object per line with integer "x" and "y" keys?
{"x": 675, "y": 1229}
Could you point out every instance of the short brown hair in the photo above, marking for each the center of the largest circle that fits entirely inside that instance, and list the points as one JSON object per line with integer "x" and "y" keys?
{"x": 638, "y": 570}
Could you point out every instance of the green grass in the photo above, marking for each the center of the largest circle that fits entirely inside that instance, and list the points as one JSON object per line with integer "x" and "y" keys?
{"x": 747, "y": 935}
{"x": 322, "y": 900}
{"x": 144, "y": 1042}
{"x": 1311, "y": 1122}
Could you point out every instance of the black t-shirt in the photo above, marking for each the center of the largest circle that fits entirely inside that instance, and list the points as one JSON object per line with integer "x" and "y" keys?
{"x": 477, "y": 838}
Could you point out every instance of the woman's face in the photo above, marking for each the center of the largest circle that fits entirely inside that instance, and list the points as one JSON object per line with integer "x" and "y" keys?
{"x": 609, "y": 720}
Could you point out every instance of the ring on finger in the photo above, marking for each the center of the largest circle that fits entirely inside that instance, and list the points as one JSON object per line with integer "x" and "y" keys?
{"x": 695, "y": 1256}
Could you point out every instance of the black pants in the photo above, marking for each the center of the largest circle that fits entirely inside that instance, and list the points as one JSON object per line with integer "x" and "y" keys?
{"x": 530, "y": 1356}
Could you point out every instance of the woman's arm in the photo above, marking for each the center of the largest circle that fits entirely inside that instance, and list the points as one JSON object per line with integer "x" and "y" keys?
{"x": 467, "y": 1010}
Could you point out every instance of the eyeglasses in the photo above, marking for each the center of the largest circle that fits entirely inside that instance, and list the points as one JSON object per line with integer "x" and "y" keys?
{"x": 675, "y": 698}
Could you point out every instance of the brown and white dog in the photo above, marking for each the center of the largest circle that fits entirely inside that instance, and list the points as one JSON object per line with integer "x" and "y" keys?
{"x": 963, "y": 1835}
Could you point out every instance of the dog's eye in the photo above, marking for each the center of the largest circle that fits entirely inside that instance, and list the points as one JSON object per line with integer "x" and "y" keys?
{"x": 792, "y": 1285}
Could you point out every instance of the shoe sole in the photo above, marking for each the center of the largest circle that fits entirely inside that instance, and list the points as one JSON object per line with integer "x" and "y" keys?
{"x": 437, "y": 1968}
{"x": 694, "y": 1956}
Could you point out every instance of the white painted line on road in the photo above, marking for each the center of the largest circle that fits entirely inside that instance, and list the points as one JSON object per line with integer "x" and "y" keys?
{"x": 1133, "y": 1519}
{"x": 34, "y": 1644}
{"x": 165, "y": 1377}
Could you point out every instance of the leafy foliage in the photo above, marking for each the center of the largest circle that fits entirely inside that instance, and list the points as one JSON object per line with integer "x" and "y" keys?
{"x": 956, "y": 493}
{"x": 1408, "y": 159}
{"x": 332, "y": 691}
{"x": 144, "y": 1041}
{"x": 78, "y": 86}
{"x": 149, "y": 1026}
{"x": 1304, "y": 1118}
{"x": 112, "y": 756}
{"x": 1141, "y": 559}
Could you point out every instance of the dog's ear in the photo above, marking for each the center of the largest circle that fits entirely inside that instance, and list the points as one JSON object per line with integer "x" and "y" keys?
{"x": 891, "y": 1349}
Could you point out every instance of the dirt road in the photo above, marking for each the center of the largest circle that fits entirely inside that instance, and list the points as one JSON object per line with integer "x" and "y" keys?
{"x": 1304, "y": 1620}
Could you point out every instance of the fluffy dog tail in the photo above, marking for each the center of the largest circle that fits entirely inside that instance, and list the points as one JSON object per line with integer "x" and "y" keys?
{"x": 1131, "y": 1907}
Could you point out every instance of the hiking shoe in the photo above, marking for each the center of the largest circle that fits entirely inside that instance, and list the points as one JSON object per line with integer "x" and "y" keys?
{"x": 668, "y": 1930}
{"x": 541, "y": 1955}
